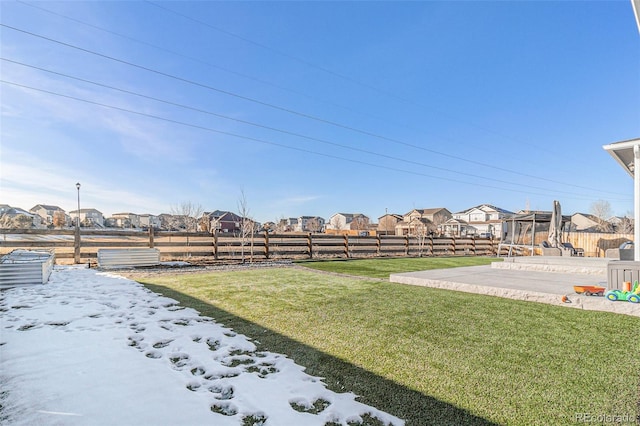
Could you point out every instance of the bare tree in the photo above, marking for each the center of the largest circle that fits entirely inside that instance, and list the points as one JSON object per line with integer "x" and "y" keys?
{"x": 59, "y": 219}
{"x": 247, "y": 225}
{"x": 601, "y": 209}
{"x": 281, "y": 225}
{"x": 421, "y": 231}
{"x": 626, "y": 224}
{"x": 204, "y": 223}
{"x": 336, "y": 223}
{"x": 438, "y": 221}
{"x": 388, "y": 224}
{"x": 360, "y": 222}
{"x": 313, "y": 225}
{"x": 188, "y": 212}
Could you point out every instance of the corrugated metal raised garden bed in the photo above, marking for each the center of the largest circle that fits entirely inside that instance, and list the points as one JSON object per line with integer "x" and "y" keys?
{"x": 26, "y": 267}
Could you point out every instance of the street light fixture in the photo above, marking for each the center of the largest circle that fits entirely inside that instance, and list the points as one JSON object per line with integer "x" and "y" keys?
{"x": 76, "y": 242}
{"x": 78, "y": 218}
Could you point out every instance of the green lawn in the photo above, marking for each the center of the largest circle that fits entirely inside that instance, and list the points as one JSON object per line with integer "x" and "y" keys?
{"x": 426, "y": 355}
{"x": 382, "y": 268}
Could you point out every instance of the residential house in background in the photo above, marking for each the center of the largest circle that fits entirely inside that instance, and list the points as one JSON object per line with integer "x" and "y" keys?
{"x": 348, "y": 221}
{"x": 289, "y": 224}
{"x": 387, "y": 223}
{"x": 170, "y": 222}
{"x": 149, "y": 221}
{"x": 51, "y": 215}
{"x": 90, "y": 218}
{"x": 133, "y": 220}
{"x": 589, "y": 223}
{"x": 622, "y": 224}
{"x": 15, "y": 217}
{"x": 269, "y": 226}
{"x": 484, "y": 220}
{"x": 124, "y": 220}
{"x": 311, "y": 223}
{"x": 221, "y": 221}
{"x": 419, "y": 220}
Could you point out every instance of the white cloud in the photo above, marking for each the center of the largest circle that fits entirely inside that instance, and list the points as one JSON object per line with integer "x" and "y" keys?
{"x": 27, "y": 181}
{"x": 147, "y": 139}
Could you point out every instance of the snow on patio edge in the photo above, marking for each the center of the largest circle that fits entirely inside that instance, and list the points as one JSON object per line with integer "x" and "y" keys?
{"x": 96, "y": 348}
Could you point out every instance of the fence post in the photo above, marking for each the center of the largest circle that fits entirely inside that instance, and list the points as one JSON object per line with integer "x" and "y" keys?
{"x": 151, "y": 237}
{"x": 266, "y": 244}
{"x": 215, "y": 244}
{"x": 406, "y": 245}
{"x": 453, "y": 243}
{"x": 310, "y": 245}
{"x": 473, "y": 243}
{"x": 431, "y": 245}
{"x": 378, "y": 245}
{"x": 76, "y": 245}
{"x": 346, "y": 245}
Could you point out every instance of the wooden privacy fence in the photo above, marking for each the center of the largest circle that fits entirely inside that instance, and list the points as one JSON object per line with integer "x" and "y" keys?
{"x": 594, "y": 244}
{"x": 67, "y": 244}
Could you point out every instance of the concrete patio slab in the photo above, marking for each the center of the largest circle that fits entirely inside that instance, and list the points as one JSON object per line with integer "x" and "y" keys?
{"x": 533, "y": 286}
{"x": 571, "y": 265}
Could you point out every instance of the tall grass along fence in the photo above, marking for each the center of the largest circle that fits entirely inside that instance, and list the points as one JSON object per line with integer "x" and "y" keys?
{"x": 68, "y": 244}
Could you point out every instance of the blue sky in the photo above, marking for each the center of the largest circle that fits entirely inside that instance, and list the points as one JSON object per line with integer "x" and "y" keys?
{"x": 313, "y": 108}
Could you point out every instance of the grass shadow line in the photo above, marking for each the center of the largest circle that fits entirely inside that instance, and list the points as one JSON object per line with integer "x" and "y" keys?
{"x": 414, "y": 407}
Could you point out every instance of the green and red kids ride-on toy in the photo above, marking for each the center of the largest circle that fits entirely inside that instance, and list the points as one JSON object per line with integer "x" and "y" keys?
{"x": 632, "y": 295}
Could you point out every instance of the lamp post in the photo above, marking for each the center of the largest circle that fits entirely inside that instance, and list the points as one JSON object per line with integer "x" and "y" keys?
{"x": 77, "y": 237}
{"x": 78, "y": 216}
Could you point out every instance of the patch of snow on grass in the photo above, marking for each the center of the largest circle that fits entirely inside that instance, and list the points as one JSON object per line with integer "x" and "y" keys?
{"x": 94, "y": 348}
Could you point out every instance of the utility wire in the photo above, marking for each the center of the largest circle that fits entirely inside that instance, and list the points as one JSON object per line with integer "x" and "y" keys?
{"x": 290, "y": 111}
{"x": 386, "y": 156}
{"x": 325, "y": 70}
{"x": 221, "y": 68}
{"x": 191, "y": 58}
{"x": 262, "y": 141}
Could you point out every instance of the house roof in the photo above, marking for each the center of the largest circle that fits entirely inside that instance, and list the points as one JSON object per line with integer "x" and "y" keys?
{"x": 311, "y": 217}
{"x": 485, "y": 207}
{"x": 351, "y": 214}
{"x": 46, "y": 207}
{"x": 14, "y": 211}
{"x": 588, "y": 216}
{"x": 223, "y": 215}
{"x": 86, "y": 211}
{"x": 394, "y": 215}
{"x": 349, "y": 217}
{"x": 525, "y": 212}
{"x": 622, "y": 152}
{"x": 452, "y": 220}
{"x": 428, "y": 211}
{"x": 538, "y": 217}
